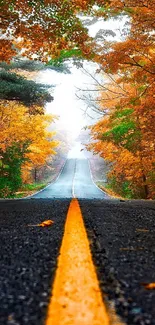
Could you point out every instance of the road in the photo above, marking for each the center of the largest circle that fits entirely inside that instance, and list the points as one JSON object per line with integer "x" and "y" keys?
{"x": 74, "y": 181}
{"x": 121, "y": 237}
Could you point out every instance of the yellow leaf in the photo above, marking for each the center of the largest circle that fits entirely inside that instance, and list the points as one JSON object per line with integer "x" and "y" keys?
{"x": 46, "y": 223}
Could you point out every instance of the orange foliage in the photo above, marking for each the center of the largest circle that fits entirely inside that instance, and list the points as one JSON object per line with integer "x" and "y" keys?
{"x": 42, "y": 28}
{"x": 18, "y": 127}
{"x": 126, "y": 137}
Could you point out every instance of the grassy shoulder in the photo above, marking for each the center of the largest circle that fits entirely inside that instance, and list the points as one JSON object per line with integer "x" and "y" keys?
{"x": 29, "y": 189}
{"x": 99, "y": 170}
{"x": 107, "y": 189}
{"x": 33, "y": 187}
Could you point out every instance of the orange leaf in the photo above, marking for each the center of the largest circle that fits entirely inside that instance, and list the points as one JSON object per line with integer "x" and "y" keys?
{"x": 46, "y": 223}
{"x": 149, "y": 286}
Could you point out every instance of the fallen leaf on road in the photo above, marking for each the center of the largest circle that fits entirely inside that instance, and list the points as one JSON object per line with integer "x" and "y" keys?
{"x": 149, "y": 286}
{"x": 45, "y": 223}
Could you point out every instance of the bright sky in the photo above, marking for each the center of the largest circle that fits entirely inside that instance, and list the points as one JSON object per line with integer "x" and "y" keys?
{"x": 65, "y": 104}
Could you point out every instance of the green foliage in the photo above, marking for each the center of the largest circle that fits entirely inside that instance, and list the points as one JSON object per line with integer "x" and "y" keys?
{"x": 118, "y": 132}
{"x": 28, "y": 65}
{"x": 65, "y": 55}
{"x": 15, "y": 87}
{"x": 27, "y": 189}
{"x": 126, "y": 190}
{"x": 123, "y": 188}
{"x": 33, "y": 186}
{"x": 123, "y": 113}
{"x": 124, "y": 130}
{"x": 6, "y": 187}
{"x": 10, "y": 169}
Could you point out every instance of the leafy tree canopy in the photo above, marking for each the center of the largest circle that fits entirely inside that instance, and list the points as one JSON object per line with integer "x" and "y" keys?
{"x": 25, "y": 143}
{"x": 22, "y": 64}
{"x": 43, "y": 28}
{"x": 15, "y": 87}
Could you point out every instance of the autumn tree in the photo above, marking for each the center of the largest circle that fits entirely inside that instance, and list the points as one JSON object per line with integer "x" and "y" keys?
{"x": 43, "y": 28}
{"x": 25, "y": 141}
{"x": 15, "y": 87}
{"x": 127, "y": 141}
{"x": 126, "y": 137}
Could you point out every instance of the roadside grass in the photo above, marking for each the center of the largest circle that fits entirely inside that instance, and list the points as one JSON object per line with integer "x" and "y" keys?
{"x": 28, "y": 189}
{"x": 107, "y": 189}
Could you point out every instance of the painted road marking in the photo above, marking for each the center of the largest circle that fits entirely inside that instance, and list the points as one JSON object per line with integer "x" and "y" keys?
{"x": 73, "y": 183}
{"x": 76, "y": 297}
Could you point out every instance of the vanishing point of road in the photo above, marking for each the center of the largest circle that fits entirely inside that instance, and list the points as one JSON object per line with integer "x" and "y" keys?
{"x": 90, "y": 267}
{"x": 75, "y": 181}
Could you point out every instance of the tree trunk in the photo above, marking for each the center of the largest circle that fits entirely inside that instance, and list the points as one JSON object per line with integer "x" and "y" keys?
{"x": 146, "y": 188}
{"x": 35, "y": 174}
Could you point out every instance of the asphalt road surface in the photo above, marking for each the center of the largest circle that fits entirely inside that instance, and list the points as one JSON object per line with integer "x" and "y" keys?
{"x": 122, "y": 237}
{"x": 74, "y": 181}
{"x": 122, "y": 242}
{"x": 28, "y": 258}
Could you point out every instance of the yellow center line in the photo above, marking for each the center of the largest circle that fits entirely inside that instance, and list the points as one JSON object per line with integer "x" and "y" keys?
{"x": 76, "y": 297}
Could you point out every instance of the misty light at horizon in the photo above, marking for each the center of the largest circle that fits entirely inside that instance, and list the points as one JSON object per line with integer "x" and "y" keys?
{"x": 69, "y": 109}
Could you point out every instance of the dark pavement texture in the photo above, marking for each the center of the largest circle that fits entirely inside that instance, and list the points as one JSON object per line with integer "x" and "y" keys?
{"x": 28, "y": 258}
{"x": 122, "y": 242}
{"x": 122, "y": 237}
